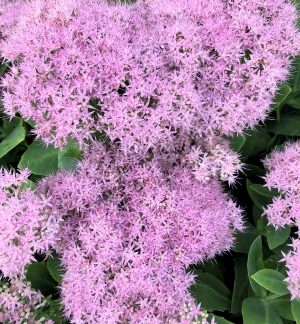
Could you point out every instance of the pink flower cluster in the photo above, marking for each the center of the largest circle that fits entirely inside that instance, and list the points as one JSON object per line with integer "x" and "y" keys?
{"x": 164, "y": 80}
{"x": 292, "y": 260}
{"x": 18, "y": 303}
{"x": 284, "y": 175}
{"x": 27, "y": 224}
{"x": 147, "y": 72}
{"x": 126, "y": 232}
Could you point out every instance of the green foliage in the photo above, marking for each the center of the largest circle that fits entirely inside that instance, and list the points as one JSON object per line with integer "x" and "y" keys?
{"x": 44, "y": 160}
{"x": 220, "y": 320}
{"x": 3, "y": 68}
{"x": 271, "y": 280}
{"x": 237, "y": 142}
{"x": 28, "y": 185}
{"x": 14, "y": 138}
{"x": 40, "y": 159}
{"x": 296, "y": 310}
{"x": 253, "y": 142}
{"x": 289, "y": 125}
{"x": 260, "y": 195}
{"x": 282, "y": 305}
{"x": 245, "y": 239}
{"x": 52, "y": 310}
{"x": 255, "y": 263}
{"x": 257, "y": 310}
{"x": 282, "y": 95}
{"x": 294, "y": 102}
{"x": 241, "y": 284}
{"x": 277, "y": 237}
{"x": 256, "y": 142}
{"x": 54, "y": 268}
{"x": 211, "y": 293}
{"x": 39, "y": 277}
{"x": 68, "y": 157}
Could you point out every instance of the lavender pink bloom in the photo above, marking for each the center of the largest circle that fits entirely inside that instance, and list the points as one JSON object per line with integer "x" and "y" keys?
{"x": 292, "y": 260}
{"x": 126, "y": 232}
{"x": 284, "y": 175}
{"x": 154, "y": 69}
{"x": 164, "y": 81}
{"x": 18, "y": 303}
{"x": 27, "y": 225}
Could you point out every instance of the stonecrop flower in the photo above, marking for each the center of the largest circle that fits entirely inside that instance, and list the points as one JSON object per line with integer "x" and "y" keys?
{"x": 147, "y": 72}
{"x": 292, "y": 260}
{"x": 18, "y": 303}
{"x": 213, "y": 159}
{"x": 284, "y": 175}
{"x": 128, "y": 230}
{"x": 27, "y": 225}
{"x": 163, "y": 82}
{"x": 132, "y": 230}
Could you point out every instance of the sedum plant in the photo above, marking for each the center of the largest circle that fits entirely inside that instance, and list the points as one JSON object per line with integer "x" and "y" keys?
{"x": 138, "y": 133}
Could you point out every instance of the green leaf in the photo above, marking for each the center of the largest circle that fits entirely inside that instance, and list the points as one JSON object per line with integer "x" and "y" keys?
{"x": 271, "y": 280}
{"x": 51, "y": 310}
{"x": 261, "y": 226}
{"x": 69, "y": 156}
{"x": 257, "y": 141}
{"x": 289, "y": 125}
{"x": 12, "y": 140}
{"x": 54, "y": 268}
{"x": 39, "y": 277}
{"x": 273, "y": 142}
{"x": 256, "y": 213}
{"x": 211, "y": 293}
{"x": 259, "y": 194}
{"x": 277, "y": 237}
{"x": 282, "y": 305}
{"x": 296, "y": 310}
{"x": 254, "y": 170}
{"x": 237, "y": 142}
{"x": 245, "y": 239}
{"x": 258, "y": 311}
{"x": 28, "y": 185}
{"x": 211, "y": 266}
{"x": 272, "y": 262}
{"x": 254, "y": 263}
{"x": 8, "y": 125}
{"x": 220, "y": 320}
{"x": 294, "y": 102}
{"x": 3, "y": 68}
{"x": 40, "y": 159}
{"x": 281, "y": 97}
{"x": 241, "y": 284}
{"x": 30, "y": 122}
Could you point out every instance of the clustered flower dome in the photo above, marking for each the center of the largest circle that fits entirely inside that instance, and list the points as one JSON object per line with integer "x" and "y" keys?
{"x": 284, "y": 175}
{"x": 163, "y": 82}
{"x": 292, "y": 261}
{"x": 18, "y": 303}
{"x": 147, "y": 72}
{"x": 126, "y": 233}
{"x": 27, "y": 225}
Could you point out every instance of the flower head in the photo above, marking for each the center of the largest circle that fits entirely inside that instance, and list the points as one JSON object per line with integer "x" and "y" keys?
{"x": 144, "y": 73}
{"x": 284, "y": 175}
